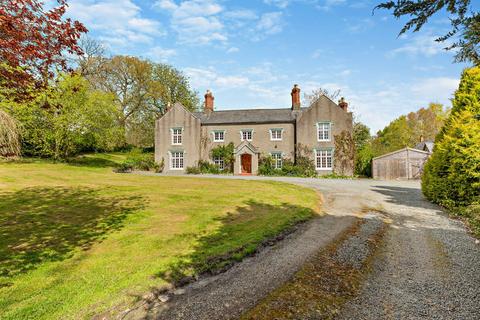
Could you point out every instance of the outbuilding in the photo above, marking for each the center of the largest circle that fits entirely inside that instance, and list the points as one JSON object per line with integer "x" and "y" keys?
{"x": 403, "y": 164}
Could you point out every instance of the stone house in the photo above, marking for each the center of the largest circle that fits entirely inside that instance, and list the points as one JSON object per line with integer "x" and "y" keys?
{"x": 182, "y": 138}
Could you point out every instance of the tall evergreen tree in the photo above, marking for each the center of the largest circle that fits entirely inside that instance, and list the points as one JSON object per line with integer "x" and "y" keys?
{"x": 452, "y": 174}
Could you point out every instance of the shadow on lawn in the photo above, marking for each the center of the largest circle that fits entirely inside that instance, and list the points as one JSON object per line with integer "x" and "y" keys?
{"x": 240, "y": 234}
{"x": 92, "y": 161}
{"x": 47, "y": 224}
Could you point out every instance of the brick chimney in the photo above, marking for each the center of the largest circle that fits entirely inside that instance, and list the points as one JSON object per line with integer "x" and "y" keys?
{"x": 296, "y": 97}
{"x": 208, "y": 107}
{"x": 343, "y": 104}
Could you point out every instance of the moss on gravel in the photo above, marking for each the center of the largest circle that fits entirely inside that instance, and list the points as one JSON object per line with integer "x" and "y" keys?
{"x": 321, "y": 287}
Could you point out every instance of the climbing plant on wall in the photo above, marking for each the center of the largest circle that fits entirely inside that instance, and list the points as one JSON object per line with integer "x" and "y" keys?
{"x": 344, "y": 163}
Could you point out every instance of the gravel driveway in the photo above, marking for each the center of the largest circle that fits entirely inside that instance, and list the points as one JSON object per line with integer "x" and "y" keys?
{"x": 426, "y": 266}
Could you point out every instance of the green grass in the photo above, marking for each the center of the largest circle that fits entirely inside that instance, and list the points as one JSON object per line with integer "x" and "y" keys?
{"x": 78, "y": 240}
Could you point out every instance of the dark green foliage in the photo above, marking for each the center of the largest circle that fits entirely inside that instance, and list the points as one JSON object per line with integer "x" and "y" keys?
{"x": 225, "y": 152}
{"x": 452, "y": 175}
{"x": 124, "y": 167}
{"x": 464, "y": 20}
{"x": 136, "y": 159}
{"x": 204, "y": 167}
{"x": 303, "y": 168}
{"x": 363, "y": 146}
{"x": 363, "y": 161}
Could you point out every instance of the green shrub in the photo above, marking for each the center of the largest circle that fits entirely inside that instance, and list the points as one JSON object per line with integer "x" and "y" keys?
{"x": 193, "y": 170}
{"x": 303, "y": 168}
{"x": 452, "y": 174}
{"x": 225, "y": 153}
{"x": 471, "y": 215}
{"x": 204, "y": 167}
{"x": 136, "y": 159}
{"x": 124, "y": 167}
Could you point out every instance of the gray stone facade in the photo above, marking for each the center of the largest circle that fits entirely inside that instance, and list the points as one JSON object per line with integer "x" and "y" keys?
{"x": 182, "y": 138}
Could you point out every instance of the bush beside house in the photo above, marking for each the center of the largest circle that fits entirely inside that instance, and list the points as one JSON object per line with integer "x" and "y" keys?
{"x": 452, "y": 174}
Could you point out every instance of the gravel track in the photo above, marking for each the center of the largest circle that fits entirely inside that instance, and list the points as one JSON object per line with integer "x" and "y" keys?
{"x": 427, "y": 266}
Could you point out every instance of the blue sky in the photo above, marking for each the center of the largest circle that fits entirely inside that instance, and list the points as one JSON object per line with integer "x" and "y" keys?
{"x": 250, "y": 53}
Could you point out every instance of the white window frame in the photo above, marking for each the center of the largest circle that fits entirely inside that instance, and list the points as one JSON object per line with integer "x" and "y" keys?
{"x": 276, "y": 138}
{"x": 277, "y": 159}
{"x": 220, "y": 162}
{"x": 177, "y": 156}
{"x": 321, "y": 128}
{"x": 322, "y": 159}
{"x": 246, "y": 131}
{"x": 176, "y": 136}
{"x": 214, "y": 133}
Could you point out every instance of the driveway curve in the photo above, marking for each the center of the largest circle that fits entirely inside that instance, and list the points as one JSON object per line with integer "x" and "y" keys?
{"x": 426, "y": 266}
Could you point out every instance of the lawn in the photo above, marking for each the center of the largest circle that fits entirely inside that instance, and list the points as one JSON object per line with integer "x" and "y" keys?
{"x": 79, "y": 240}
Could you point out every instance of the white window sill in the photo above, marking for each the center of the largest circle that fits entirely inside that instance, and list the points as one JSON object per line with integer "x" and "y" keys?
{"x": 323, "y": 169}
{"x": 176, "y": 169}
{"x": 324, "y": 140}
{"x": 218, "y": 140}
{"x": 276, "y": 139}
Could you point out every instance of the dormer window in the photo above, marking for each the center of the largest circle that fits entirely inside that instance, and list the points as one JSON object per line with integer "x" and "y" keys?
{"x": 276, "y": 134}
{"x": 324, "y": 131}
{"x": 246, "y": 134}
{"x": 177, "y": 136}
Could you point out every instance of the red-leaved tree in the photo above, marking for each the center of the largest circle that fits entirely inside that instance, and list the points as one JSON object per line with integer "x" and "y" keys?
{"x": 34, "y": 41}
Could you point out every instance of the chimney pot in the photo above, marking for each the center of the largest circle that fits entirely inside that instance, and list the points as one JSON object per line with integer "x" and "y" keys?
{"x": 209, "y": 98}
{"x": 343, "y": 104}
{"x": 296, "y": 97}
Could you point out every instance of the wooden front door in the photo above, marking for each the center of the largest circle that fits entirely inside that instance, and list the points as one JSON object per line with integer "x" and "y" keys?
{"x": 246, "y": 160}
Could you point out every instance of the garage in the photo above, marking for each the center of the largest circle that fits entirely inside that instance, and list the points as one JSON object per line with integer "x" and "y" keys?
{"x": 403, "y": 164}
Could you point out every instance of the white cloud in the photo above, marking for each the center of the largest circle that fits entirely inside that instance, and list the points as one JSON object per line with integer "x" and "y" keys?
{"x": 361, "y": 26}
{"x": 419, "y": 44}
{"x": 379, "y": 107}
{"x": 118, "y": 22}
{"x": 440, "y": 88}
{"x": 195, "y": 21}
{"x": 210, "y": 79}
{"x": 317, "y": 53}
{"x": 270, "y": 23}
{"x": 242, "y": 14}
{"x": 233, "y": 50}
{"x": 278, "y": 3}
{"x": 160, "y": 54}
{"x": 165, "y": 4}
{"x": 326, "y": 5}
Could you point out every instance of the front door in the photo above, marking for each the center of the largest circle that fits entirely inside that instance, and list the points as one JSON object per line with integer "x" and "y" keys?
{"x": 246, "y": 160}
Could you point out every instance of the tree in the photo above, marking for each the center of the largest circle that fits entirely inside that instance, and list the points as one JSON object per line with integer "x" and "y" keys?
{"x": 9, "y": 136}
{"x": 452, "y": 174}
{"x": 77, "y": 119}
{"x": 143, "y": 90}
{"x": 408, "y": 130}
{"x": 361, "y": 134}
{"x": 363, "y": 147}
{"x": 309, "y": 98}
{"x": 464, "y": 21}
{"x": 91, "y": 61}
{"x": 33, "y": 42}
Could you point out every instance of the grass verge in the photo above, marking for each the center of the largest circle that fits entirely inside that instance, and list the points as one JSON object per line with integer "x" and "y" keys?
{"x": 79, "y": 240}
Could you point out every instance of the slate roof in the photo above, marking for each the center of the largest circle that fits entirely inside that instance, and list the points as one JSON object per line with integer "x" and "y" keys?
{"x": 425, "y": 146}
{"x": 285, "y": 115}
